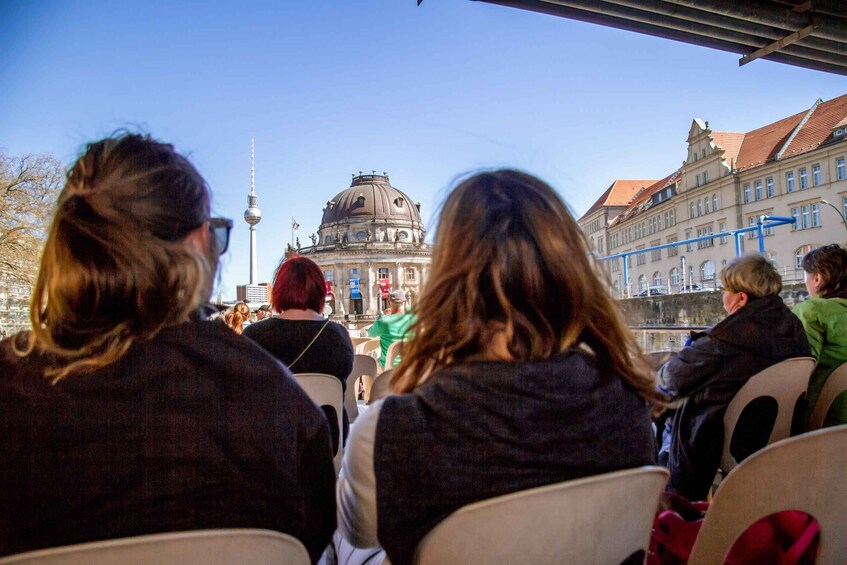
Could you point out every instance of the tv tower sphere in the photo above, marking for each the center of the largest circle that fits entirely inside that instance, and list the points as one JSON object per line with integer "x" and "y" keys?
{"x": 252, "y": 215}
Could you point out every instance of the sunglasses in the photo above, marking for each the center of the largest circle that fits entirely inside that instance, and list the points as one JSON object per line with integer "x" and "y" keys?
{"x": 220, "y": 228}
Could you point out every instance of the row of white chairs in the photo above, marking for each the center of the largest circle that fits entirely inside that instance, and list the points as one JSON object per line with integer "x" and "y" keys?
{"x": 602, "y": 519}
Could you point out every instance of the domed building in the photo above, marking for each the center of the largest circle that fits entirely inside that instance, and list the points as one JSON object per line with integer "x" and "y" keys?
{"x": 370, "y": 242}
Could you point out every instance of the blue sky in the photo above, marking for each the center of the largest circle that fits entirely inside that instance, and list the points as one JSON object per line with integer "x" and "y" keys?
{"x": 332, "y": 87}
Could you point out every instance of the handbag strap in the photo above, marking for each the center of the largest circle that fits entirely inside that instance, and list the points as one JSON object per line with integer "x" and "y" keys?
{"x": 320, "y": 331}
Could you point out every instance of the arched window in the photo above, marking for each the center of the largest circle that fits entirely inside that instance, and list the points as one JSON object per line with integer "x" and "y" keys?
{"x": 707, "y": 271}
{"x": 657, "y": 279}
{"x": 714, "y": 202}
{"x": 642, "y": 283}
{"x": 708, "y": 204}
{"x": 699, "y": 207}
{"x": 693, "y": 210}
{"x": 674, "y": 276}
{"x": 800, "y": 253}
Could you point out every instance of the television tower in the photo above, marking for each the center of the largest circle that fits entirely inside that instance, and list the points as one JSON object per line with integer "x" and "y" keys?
{"x": 252, "y": 216}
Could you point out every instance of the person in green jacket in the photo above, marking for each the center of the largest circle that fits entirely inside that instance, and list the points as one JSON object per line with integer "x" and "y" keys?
{"x": 392, "y": 327}
{"x": 824, "y": 317}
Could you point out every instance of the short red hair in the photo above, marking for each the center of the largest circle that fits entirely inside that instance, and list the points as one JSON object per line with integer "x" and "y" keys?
{"x": 299, "y": 285}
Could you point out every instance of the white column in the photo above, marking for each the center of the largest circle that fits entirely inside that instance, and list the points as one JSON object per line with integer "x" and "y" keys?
{"x": 254, "y": 264}
{"x": 398, "y": 277}
{"x": 369, "y": 306}
{"x": 338, "y": 276}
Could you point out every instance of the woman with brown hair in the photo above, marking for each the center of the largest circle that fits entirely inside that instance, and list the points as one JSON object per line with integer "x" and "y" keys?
{"x": 520, "y": 372}
{"x": 123, "y": 412}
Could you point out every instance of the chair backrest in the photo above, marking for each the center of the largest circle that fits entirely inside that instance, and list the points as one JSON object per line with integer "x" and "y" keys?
{"x": 395, "y": 350}
{"x": 325, "y": 390}
{"x": 357, "y": 341}
{"x": 804, "y": 473}
{"x": 602, "y": 519}
{"x": 362, "y": 365}
{"x": 370, "y": 347}
{"x": 379, "y": 388}
{"x": 209, "y": 547}
{"x": 835, "y": 384}
{"x": 785, "y": 382}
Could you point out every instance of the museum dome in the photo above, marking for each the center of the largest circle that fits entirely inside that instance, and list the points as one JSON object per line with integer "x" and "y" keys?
{"x": 371, "y": 197}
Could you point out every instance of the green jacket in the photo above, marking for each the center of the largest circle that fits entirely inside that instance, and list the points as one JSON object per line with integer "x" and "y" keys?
{"x": 389, "y": 329}
{"x": 825, "y": 322}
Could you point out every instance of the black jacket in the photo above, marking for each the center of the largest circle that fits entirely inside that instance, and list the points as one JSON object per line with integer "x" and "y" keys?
{"x": 710, "y": 372}
{"x": 197, "y": 428}
{"x": 480, "y": 430}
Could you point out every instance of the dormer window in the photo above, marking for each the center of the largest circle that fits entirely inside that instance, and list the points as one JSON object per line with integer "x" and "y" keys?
{"x": 840, "y": 132}
{"x": 360, "y": 200}
{"x": 399, "y": 201}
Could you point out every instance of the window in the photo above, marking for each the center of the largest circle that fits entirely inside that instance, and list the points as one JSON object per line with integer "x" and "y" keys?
{"x": 642, "y": 283}
{"x": 672, "y": 251}
{"x": 688, "y": 245}
{"x": 804, "y": 217}
{"x": 817, "y": 178}
{"x": 722, "y": 229}
{"x": 705, "y": 177}
{"x": 816, "y": 215}
{"x": 329, "y": 275}
{"x": 617, "y": 288}
{"x": 657, "y": 279}
{"x": 693, "y": 210}
{"x": 411, "y": 274}
{"x": 699, "y": 207}
{"x": 706, "y": 242}
{"x": 804, "y": 179}
{"x": 382, "y": 273}
{"x": 641, "y": 259}
{"x": 354, "y": 273}
{"x": 753, "y": 234}
{"x": 697, "y": 180}
{"x": 769, "y": 187}
{"x": 844, "y": 205}
{"x": 715, "y": 202}
{"x": 615, "y": 265}
{"x": 629, "y": 261}
{"x": 758, "y": 190}
{"x": 799, "y": 254}
{"x": 789, "y": 181}
{"x": 840, "y": 169}
{"x": 707, "y": 204}
{"x": 674, "y": 276}
{"x": 656, "y": 254}
{"x": 667, "y": 220}
{"x": 747, "y": 193}
{"x": 600, "y": 248}
{"x": 707, "y": 271}
{"x": 673, "y": 217}
{"x": 795, "y": 213}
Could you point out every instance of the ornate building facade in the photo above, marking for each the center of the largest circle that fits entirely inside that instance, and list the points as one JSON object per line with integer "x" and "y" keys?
{"x": 370, "y": 242}
{"x": 792, "y": 168}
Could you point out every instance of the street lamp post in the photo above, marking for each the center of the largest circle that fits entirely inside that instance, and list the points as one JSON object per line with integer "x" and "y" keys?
{"x": 834, "y": 207}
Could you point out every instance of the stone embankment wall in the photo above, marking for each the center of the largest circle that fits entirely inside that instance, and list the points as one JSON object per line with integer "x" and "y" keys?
{"x": 659, "y": 315}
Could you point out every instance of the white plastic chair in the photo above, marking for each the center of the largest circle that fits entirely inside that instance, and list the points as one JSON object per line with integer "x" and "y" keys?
{"x": 395, "y": 350}
{"x": 363, "y": 365}
{"x": 785, "y": 382}
{"x": 600, "y": 520}
{"x": 357, "y": 341}
{"x": 835, "y": 384}
{"x": 206, "y": 547}
{"x": 370, "y": 347}
{"x": 380, "y": 387}
{"x": 326, "y": 390}
{"x": 804, "y": 473}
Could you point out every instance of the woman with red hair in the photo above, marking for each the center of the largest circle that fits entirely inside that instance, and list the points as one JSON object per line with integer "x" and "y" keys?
{"x": 298, "y": 335}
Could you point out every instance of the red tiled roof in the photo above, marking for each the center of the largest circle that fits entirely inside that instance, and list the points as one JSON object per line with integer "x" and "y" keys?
{"x": 648, "y": 192}
{"x": 761, "y": 145}
{"x": 818, "y": 128}
{"x": 730, "y": 142}
{"x": 619, "y": 193}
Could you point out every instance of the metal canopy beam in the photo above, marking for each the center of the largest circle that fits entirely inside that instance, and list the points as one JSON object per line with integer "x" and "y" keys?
{"x": 802, "y": 34}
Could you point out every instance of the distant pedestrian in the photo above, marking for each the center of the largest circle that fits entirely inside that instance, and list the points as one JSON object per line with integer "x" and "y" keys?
{"x": 394, "y": 326}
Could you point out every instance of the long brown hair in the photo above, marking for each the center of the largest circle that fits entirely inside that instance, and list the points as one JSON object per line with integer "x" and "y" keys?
{"x": 509, "y": 259}
{"x": 115, "y": 267}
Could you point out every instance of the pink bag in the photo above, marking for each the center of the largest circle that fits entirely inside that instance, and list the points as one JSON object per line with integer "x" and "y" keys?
{"x": 784, "y": 538}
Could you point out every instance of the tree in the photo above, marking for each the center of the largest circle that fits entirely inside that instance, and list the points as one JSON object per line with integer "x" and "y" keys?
{"x": 29, "y": 186}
